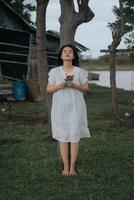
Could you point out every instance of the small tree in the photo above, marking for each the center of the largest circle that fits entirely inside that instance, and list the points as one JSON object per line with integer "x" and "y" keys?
{"x": 118, "y": 31}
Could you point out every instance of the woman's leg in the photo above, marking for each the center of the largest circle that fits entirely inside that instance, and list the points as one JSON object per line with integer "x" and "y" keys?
{"x": 74, "y": 155}
{"x": 64, "y": 155}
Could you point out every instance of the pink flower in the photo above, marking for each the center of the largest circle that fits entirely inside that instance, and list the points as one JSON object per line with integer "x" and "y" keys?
{"x": 69, "y": 78}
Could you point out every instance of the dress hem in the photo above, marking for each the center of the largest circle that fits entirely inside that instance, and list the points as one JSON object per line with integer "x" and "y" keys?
{"x": 74, "y": 141}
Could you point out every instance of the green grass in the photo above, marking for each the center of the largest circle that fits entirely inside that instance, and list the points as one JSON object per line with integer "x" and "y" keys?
{"x": 29, "y": 165}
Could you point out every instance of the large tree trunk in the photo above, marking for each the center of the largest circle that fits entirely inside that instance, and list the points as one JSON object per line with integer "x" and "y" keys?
{"x": 70, "y": 19}
{"x": 41, "y": 54}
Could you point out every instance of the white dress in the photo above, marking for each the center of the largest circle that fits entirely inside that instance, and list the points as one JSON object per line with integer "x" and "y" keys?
{"x": 68, "y": 113}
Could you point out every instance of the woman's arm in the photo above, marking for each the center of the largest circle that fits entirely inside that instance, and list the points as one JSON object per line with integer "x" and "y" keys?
{"x": 55, "y": 88}
{"x": 83, "y": 88}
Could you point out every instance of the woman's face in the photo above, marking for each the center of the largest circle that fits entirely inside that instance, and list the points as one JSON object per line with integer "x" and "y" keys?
{"x": 67, "y": 54}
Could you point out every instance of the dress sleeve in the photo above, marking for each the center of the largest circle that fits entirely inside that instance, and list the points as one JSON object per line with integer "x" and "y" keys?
{"x": 83, "y": 76}
{"x": 51, "y": 77}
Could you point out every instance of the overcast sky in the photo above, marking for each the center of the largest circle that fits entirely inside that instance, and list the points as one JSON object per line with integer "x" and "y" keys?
{"x": 95, "y": 35}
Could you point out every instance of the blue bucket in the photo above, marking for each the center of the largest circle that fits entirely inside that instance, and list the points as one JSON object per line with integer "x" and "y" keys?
{"x": 19, "y": 91}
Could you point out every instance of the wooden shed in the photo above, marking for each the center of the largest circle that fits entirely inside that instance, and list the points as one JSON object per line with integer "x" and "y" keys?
{"x": 18, "y": 48}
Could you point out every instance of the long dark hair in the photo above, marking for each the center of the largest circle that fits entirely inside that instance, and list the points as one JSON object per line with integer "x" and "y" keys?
{"x": 75, "y": 61}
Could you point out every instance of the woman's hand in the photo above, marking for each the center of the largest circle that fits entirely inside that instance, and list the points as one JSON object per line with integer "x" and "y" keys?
{"x": 69, "y": 84}
{"x": 60, "y": 86}
{"x": 55, "y": 88}
{"x": 82, "y": 88}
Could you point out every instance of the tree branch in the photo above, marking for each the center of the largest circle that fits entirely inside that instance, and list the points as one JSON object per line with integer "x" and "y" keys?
{"x": 45, "y": 2}
{"x": 119, "y": 32}
{"x": 121, "y": 17}
{"x": 85, "y": 14}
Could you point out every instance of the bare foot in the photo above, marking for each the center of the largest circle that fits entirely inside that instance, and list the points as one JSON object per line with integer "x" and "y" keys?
{"x": 65, "y": 172}
{"x": 73, "y": 172}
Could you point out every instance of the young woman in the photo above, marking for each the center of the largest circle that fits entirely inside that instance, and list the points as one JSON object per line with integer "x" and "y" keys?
{"x": 68, "y": 115}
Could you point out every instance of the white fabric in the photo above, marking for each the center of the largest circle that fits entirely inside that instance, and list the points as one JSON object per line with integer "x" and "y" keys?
{"x": 68, "y": 113}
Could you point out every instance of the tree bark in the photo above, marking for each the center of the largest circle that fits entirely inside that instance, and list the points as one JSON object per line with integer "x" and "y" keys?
{"x": 113, "y": 87}
{"x": 42, "y": 54}
{"x": 70, "y": 19}
{"x": 116, "y": 35}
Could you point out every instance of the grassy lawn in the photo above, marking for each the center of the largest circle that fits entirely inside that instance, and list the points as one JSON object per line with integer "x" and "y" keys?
{"x": 29, "y": 165}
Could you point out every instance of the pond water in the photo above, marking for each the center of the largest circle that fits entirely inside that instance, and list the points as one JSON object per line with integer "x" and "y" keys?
{"x": 124, "y": 79}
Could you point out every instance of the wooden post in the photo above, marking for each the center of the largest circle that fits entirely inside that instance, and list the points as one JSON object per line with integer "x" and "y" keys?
{"x": 0, "y": 73}
{"x": 29, "y": 58}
